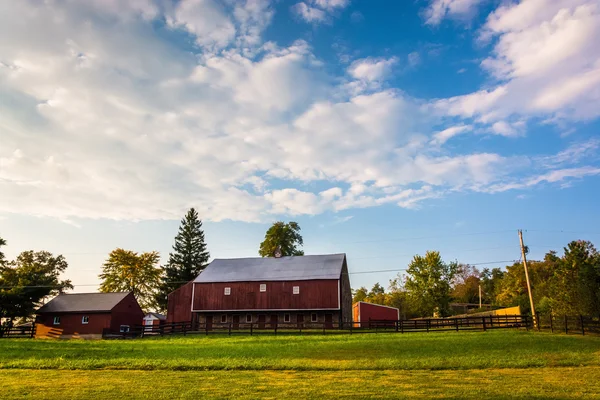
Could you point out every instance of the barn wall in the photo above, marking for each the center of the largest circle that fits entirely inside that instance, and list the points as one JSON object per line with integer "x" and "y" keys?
{"x": 345, "y": 294}
{"x": 127, "y": 312}
{"x": 370, "y": 311}
{"x": 179, "y": 304}
{"x": 268, "y": 314}
{"x": 70, "y": 325}
{"x": 314, "y": 294}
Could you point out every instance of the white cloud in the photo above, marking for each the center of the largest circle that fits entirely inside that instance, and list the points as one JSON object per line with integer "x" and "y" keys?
{"x": 448, "y": 133}
{"x": 102, "y": 116}
{"x": 318, "y": 11}
{"x": 372, "y": 69}
{"x": 546, "y": 58}
{"x": 455, "y": 9}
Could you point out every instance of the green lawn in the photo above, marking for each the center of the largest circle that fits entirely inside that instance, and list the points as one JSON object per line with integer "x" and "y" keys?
{"x": 444, "y": 365}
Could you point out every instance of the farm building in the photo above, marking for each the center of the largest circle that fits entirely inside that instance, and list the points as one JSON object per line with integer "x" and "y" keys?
{"x": 87, "y": 315}
{"x": 267, "y": 291}
{"x": 363, "y": 313}
{"x": 154, "y": 319}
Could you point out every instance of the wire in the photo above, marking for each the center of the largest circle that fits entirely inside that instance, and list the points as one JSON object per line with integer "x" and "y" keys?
{"x": 289, "y": 277}
{"x": 360, "y": 241}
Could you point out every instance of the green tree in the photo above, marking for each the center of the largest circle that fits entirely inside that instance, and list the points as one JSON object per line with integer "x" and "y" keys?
{"x": 2, "y": 243}
{"x": 576, "y": 280}
{"x": 490, "y": 284}
{"x": 128, "y": 271}
{"x": 188, "y": 259}
{"x": 284, "y": 236}
{"x": 428, "y": 283}
{"x": 466, "y": 284}
{"x": 377, "y": 295}
{"x": 29, "y": 279}
{"x": 360, "y": 294}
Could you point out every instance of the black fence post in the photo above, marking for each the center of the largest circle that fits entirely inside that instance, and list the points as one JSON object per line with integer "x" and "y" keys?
{"x": 251, "y": 324}
{"x": 456, "y": 323}
{"x": 483, "y": 322}
{"x": 582, "y": 325}
{"x": 230, "y": 329}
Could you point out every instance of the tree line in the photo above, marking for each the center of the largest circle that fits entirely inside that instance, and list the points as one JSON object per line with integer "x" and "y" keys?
{"x": 35, "y": 276}
{"x": 565, "y": 285}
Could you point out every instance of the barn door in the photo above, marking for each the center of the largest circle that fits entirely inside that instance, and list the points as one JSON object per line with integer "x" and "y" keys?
{"x": 300, "y": 320}
{"x": 328, "y": 321}
{"x": 209, "y": 322}
{"x": 261, "y": 321}
{"x": 273, "y": 321}
{"x": 236, "y": 322}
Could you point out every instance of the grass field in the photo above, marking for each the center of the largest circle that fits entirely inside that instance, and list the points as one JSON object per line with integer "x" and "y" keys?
{"x": 497, "y": 364}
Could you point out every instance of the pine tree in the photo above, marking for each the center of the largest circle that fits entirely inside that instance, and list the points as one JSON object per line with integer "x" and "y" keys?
{"x": 188, "y": 259}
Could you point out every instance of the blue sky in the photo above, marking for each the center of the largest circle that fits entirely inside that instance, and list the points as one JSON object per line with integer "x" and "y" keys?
{"x": 384, "y": 128}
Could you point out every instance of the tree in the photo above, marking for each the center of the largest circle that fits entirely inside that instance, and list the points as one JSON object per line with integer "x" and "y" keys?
{"x": 188, "y": 259}
{"x": 466, "y": 284}
{"x": 428, "y": 283}
{"x": 576, "y": 280}
{"x": 490, "y": 284}
{"x": 360, "y": 294}
{"x": 29, "y": 279}
{"x": 126, "y": 271}
{"x": 2, "y": 243}
{"x": 284, "y": 236}
{"x": 377, "y": 295}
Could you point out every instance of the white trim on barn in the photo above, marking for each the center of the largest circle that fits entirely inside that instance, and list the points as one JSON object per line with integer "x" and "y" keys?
{"x": 271, "y": 309}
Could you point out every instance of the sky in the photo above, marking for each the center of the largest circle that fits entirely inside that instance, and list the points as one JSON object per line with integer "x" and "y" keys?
{"x": 385, "y": 129}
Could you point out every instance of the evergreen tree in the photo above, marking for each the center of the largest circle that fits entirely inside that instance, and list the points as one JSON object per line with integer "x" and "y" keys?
{"x": 188, "y": 259}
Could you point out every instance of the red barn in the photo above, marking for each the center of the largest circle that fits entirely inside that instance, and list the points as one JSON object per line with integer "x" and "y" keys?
{"x": 86, "y": 315}
{"x": 266, "y": 291}
{"x": 363, "y": 312}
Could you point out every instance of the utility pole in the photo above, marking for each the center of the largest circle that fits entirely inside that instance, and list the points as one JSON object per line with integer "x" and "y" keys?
{"x": 527, "y": 278}
{"x": 480, "y": 296}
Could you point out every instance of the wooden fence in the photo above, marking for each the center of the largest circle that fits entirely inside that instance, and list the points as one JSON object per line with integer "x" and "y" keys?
{"x": 580, "y": 325}
{"x": 18, "y": 332}
{"x": 374, "y": 326}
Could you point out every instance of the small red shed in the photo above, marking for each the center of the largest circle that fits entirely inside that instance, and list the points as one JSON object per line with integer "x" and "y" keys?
{"x": 363, "y": 312}
{"x": 86, "y": 315}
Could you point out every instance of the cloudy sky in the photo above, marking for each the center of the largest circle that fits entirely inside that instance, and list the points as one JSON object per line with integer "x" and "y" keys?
{"x": 384, "y": 128}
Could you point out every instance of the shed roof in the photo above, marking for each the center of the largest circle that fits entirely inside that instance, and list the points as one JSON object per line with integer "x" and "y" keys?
{"x": 156, "y": 315}
{"x": 293, "y": 268}
{"x": 83, "y": 302}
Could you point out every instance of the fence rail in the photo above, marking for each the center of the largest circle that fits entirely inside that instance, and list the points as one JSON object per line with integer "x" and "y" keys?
{"x": 17, "y": 332}
{"x": 580, "y": 324}
{"x": 372, "y": 326}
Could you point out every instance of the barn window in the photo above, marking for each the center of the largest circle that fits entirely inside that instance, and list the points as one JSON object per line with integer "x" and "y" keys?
{"x": 56, "y": 320}
{"x": 248, "y": 318}
{"x": 124, "y": 329}
{"x": 85, "y": 319}
{"x": 296, "y": 290}
{"x": 263, "y": 287}
{"x": 286, "y": 317}
{"x": 223, "y": 318}
{"x": 313, "y": 317}
{"x": 227, "y": 291}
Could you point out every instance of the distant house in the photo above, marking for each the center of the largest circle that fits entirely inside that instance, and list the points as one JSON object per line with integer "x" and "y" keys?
{"x": 87, "y": 315}
{"x": 363, "y": 313}
{"x": 154, "y": 319}
{"x": 267, "y": 291}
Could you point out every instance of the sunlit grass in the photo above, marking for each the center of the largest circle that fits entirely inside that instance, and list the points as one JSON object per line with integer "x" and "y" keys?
{"x": 434, "y": 351}
{"x": 540, "y": 383}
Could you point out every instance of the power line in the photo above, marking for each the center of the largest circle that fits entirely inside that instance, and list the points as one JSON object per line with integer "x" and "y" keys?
{"x": 289, "y": 277}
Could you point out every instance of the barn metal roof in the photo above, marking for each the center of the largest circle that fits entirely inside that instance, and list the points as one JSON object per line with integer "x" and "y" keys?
{"x": 83, "y": 302}
{"x": 298, "y": 268}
